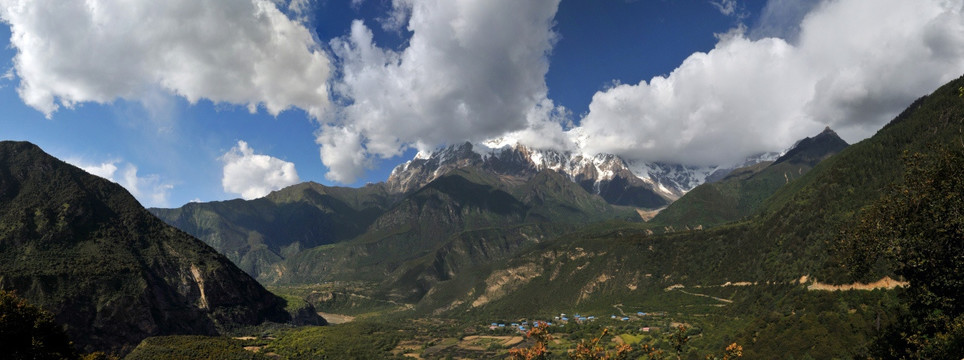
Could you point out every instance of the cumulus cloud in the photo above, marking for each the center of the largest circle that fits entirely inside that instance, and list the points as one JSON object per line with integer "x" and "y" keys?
{"x": 105, "y": 170}
{"x": 855, "y": 65}
{"x": 241, "y": 52}
{"x": 150, "y": 190}
{"x": 546, "y": 129}
{"x": 343, "y": 154}
{"x": 471, "y": 70}
{"x": 254, "y": 175}
{"x": 148, "y": 187}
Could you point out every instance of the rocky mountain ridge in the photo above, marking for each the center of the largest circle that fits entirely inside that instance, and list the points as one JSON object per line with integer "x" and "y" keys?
{"x": 620, "y": 182}
{"x": 743, "y": 191}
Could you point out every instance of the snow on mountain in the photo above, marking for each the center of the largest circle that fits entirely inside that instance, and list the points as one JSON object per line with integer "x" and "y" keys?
{"x": 640, "y": 184}
{"x": 672, "y": 179}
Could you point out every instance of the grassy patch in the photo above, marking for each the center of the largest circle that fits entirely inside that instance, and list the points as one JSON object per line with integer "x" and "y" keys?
{"x": 192, "y": 347}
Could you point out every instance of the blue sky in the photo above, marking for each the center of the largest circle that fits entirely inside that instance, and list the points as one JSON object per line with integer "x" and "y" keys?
{"x": 158, "y": 97}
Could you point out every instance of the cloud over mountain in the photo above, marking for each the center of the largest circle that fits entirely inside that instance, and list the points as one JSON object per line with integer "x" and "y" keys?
{"x": 467, "y": 75}
{"x": 854, "y": 66}
{"x": 240, "y": 52}
{"x": 471, "y": 70}
{"x": 255, "y": 175}
{"x": 150, "y": 190}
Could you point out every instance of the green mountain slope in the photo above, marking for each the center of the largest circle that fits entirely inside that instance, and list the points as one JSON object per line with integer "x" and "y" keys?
{"x": 551, "y": 197}
{"x": 795, "y": 229}
{"x": 792, "y": 235}
{"x": 258, "y": 233}
{"x": 811, "y": 213}
{"x": 84, "y": 249}
{"x": 741, "y": 193}
{"x": 462, "y": 220}
{"x": 309, "y": 233}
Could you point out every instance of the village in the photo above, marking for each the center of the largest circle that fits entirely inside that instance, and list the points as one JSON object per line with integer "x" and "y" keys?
{"x": 646, "y": 320}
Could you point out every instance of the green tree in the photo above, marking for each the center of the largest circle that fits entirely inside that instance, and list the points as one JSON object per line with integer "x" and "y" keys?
{"x": 919, "y": 226}
{"x": 28, "y": 332}
{"x": 679, "y": 340}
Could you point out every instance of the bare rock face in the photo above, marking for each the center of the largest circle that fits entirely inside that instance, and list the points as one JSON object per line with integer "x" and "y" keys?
{"x": 84, "y": 249}
{"x": 421, "y": 170}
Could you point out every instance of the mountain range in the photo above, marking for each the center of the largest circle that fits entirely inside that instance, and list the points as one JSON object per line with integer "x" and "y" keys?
{"x": 374, "y": 235}
{"x": 259, "y": 235}
{"x": 443, "y": 214}
{"x": 476, "y": 231}
{"x": 775, "y": 255}
{"x": 618, "y": 181}
{"x": 479, "y": 232}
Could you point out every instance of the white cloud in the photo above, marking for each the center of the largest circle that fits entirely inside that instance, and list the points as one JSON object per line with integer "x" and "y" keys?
{"x": 726, "y": 7}
{"x": 855, "y": 65}
{"x": 545, "y": 128}
{"x": 6, "y": 77}
{"x": 782, "y": 18}
{"x": 299, "y": 7}
{"x": 472, "y": 70}
{"x": 398, "y": 17}
{"x": 150, "y": 190}
{"x": 253, "y": 175}
{"x": 240, "y": 52}
{"x": 105, "y": 170}
{"x": 343, "y": 154}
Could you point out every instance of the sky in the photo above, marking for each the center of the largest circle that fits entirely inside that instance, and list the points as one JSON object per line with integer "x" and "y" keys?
{"x": 205, "y": 100}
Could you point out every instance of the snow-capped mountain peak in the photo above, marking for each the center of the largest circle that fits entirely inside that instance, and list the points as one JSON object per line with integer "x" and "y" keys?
{"x": 640, "y": 184}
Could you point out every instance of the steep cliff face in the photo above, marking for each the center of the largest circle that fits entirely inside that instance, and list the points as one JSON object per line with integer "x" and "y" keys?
{"x": 84, "y": 249}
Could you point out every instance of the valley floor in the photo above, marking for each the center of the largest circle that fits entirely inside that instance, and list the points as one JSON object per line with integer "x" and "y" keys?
{"x": 766, "y": 321}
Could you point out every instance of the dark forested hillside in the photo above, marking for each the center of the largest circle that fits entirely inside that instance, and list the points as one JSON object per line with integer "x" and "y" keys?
{"x": 741, "y": 193}
{"x": 258, "y": 233}
{"x": 84, "y": 249}
{"x": 795, "y": 230}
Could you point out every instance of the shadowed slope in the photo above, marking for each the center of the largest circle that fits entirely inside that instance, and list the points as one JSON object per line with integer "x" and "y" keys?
{"x": 84, "y": 249}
